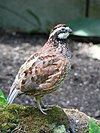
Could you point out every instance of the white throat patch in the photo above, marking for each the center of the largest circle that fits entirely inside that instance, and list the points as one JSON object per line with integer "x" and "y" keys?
{"x": 63, "y": 35}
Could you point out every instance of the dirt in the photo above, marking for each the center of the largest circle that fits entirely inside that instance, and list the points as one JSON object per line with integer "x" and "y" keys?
{"x": 81, "y": 89}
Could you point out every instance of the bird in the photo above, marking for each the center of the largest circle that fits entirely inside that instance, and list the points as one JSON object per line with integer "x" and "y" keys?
{"x": 45, "y": 70}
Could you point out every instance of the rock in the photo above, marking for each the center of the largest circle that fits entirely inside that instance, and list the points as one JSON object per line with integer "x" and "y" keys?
{"x": 97, "y": 114}
{"x": 27, "y": 119}
{"x": 17, "y": 118}
{"x": 79, "y": 122}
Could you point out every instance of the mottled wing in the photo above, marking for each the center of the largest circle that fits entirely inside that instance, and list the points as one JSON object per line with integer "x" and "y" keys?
{"x": 41, "y": 72}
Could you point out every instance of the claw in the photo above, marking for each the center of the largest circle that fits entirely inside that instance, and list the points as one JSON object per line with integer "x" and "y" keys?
{"x": 39, "y": 106}
{"x": 45, "y": 107}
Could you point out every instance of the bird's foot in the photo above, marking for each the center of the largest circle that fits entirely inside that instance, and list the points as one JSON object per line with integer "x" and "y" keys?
{"x": 42, "y": 107}
{"x": 47, "y": 107}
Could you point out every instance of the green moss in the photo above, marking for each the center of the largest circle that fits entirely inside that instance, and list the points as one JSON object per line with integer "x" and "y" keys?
{"x": 28, "y": 119}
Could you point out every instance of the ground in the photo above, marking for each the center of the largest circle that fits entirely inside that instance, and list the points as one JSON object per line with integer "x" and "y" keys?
{"x": 81, "y": 89}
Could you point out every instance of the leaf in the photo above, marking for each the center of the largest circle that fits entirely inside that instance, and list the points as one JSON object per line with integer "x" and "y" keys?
{"x": 93, "y": 127}
{"x": 35, "y": 16}
{"x": 86, "y": 27}
{"x": 3, "y": 100}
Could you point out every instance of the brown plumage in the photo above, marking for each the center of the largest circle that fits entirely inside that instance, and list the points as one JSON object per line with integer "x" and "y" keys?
{"x": 45, "y": 70}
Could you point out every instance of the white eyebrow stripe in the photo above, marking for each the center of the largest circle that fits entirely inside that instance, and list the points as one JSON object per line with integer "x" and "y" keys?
{"x": 57, "y": 30}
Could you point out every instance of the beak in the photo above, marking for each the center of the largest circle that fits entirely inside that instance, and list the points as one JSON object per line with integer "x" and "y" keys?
{"x": 70, "y": 30}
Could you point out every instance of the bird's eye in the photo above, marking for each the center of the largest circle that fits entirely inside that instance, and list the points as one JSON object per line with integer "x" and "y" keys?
{"x": 63, "y": 29}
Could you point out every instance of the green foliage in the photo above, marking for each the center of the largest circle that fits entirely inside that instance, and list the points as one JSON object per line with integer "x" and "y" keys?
{"x": 34, "y": 15}
{"x": 3, "y": 100}
{"x": 93, "y": 127}
{"x": 37, "y": 20}
{"x": 31, "y": 16}
{"x": 87, "y": 27}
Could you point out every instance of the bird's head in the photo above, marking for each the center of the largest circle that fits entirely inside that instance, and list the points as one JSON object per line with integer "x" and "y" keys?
{"x": 60, "y": 32}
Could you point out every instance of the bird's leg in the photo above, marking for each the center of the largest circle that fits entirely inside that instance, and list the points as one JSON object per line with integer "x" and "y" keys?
{"x": 42, "y": 103}
{"x": 45, "y": 107}
{"x": 39, "y": 106}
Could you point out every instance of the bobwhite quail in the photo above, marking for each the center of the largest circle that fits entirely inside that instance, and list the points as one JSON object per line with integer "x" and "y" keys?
{"x": 44, "y": 71}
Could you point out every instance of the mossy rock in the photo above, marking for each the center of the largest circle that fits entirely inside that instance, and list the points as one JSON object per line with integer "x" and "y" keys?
{"x": 18, "y": 118}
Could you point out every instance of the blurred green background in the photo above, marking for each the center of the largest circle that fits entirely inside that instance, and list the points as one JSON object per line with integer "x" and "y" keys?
{"x": 40, "y": 16}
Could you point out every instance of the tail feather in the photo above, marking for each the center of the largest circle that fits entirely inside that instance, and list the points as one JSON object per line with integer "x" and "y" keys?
{"x": 12, "y": 95}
